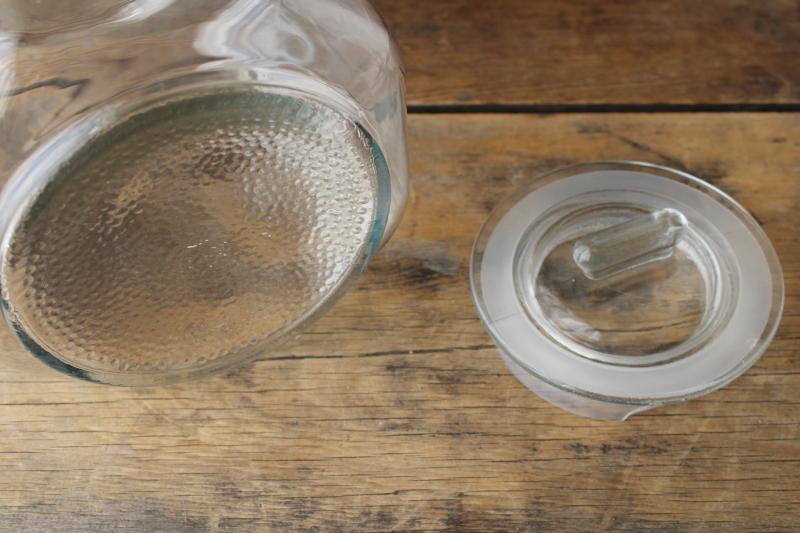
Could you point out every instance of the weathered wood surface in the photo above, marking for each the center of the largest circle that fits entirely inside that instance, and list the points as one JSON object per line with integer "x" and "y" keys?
{"x": 548, "y": 52}
{"x": 395, "y": 412}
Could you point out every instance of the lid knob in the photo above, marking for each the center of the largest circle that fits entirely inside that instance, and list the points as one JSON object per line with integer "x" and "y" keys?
{"x": 631, "y": 244}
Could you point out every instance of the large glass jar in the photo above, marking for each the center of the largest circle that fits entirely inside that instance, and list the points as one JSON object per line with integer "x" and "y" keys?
{"x": 184, "y": 183}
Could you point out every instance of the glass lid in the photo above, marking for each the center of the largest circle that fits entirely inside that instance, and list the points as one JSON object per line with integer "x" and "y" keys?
{"x": 627, "y": 281}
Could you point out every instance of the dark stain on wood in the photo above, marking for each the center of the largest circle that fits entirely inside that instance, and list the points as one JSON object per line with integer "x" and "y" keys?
{"x": 636, "y": 445}
{"x": 650, "y": 151}
{"x": 579, "y": 448}
{"x": 712, "y": 171}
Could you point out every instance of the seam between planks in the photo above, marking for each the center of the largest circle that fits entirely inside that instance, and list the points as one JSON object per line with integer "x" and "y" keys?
{"x": 448, "y": 109}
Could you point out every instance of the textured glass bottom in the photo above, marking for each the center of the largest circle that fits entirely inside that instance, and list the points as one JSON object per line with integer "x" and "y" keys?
{"x": 193, "y": 232}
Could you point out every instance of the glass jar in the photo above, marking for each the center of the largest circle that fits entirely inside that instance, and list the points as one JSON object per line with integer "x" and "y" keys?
{"x": 185, "y": 183}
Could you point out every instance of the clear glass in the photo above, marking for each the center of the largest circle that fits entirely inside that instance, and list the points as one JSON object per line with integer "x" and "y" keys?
{"x": 186, "y": 183}
{"x": 614, "y": 287}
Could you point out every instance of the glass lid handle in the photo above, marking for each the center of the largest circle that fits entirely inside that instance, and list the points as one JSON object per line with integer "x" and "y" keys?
{"x": 629, "y": 245}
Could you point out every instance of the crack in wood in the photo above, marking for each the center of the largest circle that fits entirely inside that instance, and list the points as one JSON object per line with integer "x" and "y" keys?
{"x": 58, "y": 83}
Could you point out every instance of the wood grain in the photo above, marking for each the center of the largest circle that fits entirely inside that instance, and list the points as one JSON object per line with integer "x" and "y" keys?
{"x": 394, "y": 412}
{"x": 550, "y": 52}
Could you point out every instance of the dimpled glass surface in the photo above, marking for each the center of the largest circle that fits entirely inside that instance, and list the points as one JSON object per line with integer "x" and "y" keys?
{"x": 194, "y": 231}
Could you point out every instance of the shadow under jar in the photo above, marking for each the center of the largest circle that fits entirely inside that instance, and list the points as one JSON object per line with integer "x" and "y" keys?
{"x": 185, "y": 183}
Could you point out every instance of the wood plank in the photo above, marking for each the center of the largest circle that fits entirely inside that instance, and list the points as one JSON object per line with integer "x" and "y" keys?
{"x": 395, "y": 411}
{"x": 550, "y": 52}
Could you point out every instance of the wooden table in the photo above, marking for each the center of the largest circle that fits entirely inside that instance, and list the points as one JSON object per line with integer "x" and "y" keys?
{"x": 394, "y": 412}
